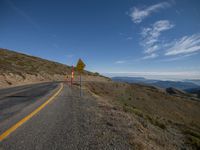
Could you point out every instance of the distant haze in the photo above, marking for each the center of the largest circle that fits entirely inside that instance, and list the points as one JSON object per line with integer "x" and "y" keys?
{"x": 175, "y": 76}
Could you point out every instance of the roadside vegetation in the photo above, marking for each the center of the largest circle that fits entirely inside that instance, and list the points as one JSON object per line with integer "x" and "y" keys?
{"x": 156, "y": 110}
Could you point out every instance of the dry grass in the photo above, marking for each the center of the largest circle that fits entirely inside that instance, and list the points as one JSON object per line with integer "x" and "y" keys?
{"x": 154, "y": 106}
{"x": 17, "y": 69}
{"x": 13, "y": 62}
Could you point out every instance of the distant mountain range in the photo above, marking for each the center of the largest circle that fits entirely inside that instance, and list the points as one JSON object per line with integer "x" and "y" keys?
{"x": 134, "y": 80}
{"x": 175, "y": 84}
{"x": 185, "y": 85}
{"x": 194, "y": 91}
{"x": 193, "y": 81}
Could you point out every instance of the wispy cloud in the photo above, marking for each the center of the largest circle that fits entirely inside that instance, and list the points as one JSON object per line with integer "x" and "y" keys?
{"x": 120, "y": 62}
{"x": 138, "y": 15}
{"x": 180, "y": 57}
{"x": 150, "y": 35}
{"x": 153, "y": 55}
{"x": 185, "y": 45}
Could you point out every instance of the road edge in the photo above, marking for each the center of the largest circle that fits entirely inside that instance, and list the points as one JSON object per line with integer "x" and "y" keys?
{"x": 14, "y": 127}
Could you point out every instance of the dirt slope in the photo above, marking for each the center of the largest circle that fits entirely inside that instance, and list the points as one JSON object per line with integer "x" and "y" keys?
{"x": 17, "y": 68}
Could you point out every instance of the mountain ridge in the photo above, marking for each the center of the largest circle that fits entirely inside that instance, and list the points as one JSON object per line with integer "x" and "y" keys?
{"x": 181, "y": 85}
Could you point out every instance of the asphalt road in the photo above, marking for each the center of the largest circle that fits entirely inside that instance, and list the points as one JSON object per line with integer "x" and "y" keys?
{"x": 13, "y": 100}
{"x": 67, "y": 122}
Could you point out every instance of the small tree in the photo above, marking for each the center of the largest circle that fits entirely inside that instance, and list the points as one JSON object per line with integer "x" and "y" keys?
{"x": 96, "y": 74}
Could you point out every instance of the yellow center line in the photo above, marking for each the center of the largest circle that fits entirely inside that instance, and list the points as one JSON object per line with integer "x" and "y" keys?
{"x": 22, "y": 121}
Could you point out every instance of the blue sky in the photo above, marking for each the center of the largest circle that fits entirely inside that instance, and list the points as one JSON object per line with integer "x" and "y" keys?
{"x": 154, "y": 39}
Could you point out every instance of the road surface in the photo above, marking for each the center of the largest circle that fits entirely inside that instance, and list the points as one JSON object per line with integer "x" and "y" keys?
{"x": 66, "y": 122}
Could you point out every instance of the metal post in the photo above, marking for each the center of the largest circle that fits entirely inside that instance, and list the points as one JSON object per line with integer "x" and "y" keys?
{"x": 72, "y": 75}
{"x": 80, "y": 85}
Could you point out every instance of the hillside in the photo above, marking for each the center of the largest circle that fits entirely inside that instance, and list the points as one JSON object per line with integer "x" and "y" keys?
{"x": 17, "y": 68}
{"x": 152, "y": 117}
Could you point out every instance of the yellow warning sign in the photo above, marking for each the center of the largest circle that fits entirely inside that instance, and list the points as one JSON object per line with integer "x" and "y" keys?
{"x": 80, "y": 65}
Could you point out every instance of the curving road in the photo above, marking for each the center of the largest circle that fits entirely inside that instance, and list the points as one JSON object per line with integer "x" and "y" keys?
{"x": 66, "y": 122}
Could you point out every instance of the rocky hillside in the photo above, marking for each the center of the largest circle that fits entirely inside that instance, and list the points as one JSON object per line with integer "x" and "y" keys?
{"x": 17, "y": 68}
{"x": 152, "y": 118}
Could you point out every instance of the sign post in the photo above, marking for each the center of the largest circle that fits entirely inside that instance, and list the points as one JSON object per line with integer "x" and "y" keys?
{"x": 80, "y": 86}
{"x": 72, "y": 75}
{"x": 80, "y": 67}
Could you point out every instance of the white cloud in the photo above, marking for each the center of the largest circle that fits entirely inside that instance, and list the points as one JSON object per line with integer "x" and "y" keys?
{"x": 138, "y": 15}
{"x": 178, "y": 57}
{"x": 151, "y": 49}
{"x": 185, "y": 45}
{"x": 151, "y": 35}
{"x": 120, "y": 62}
{"x": 162, "y": 25}
{"x": 153, "y": 55}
